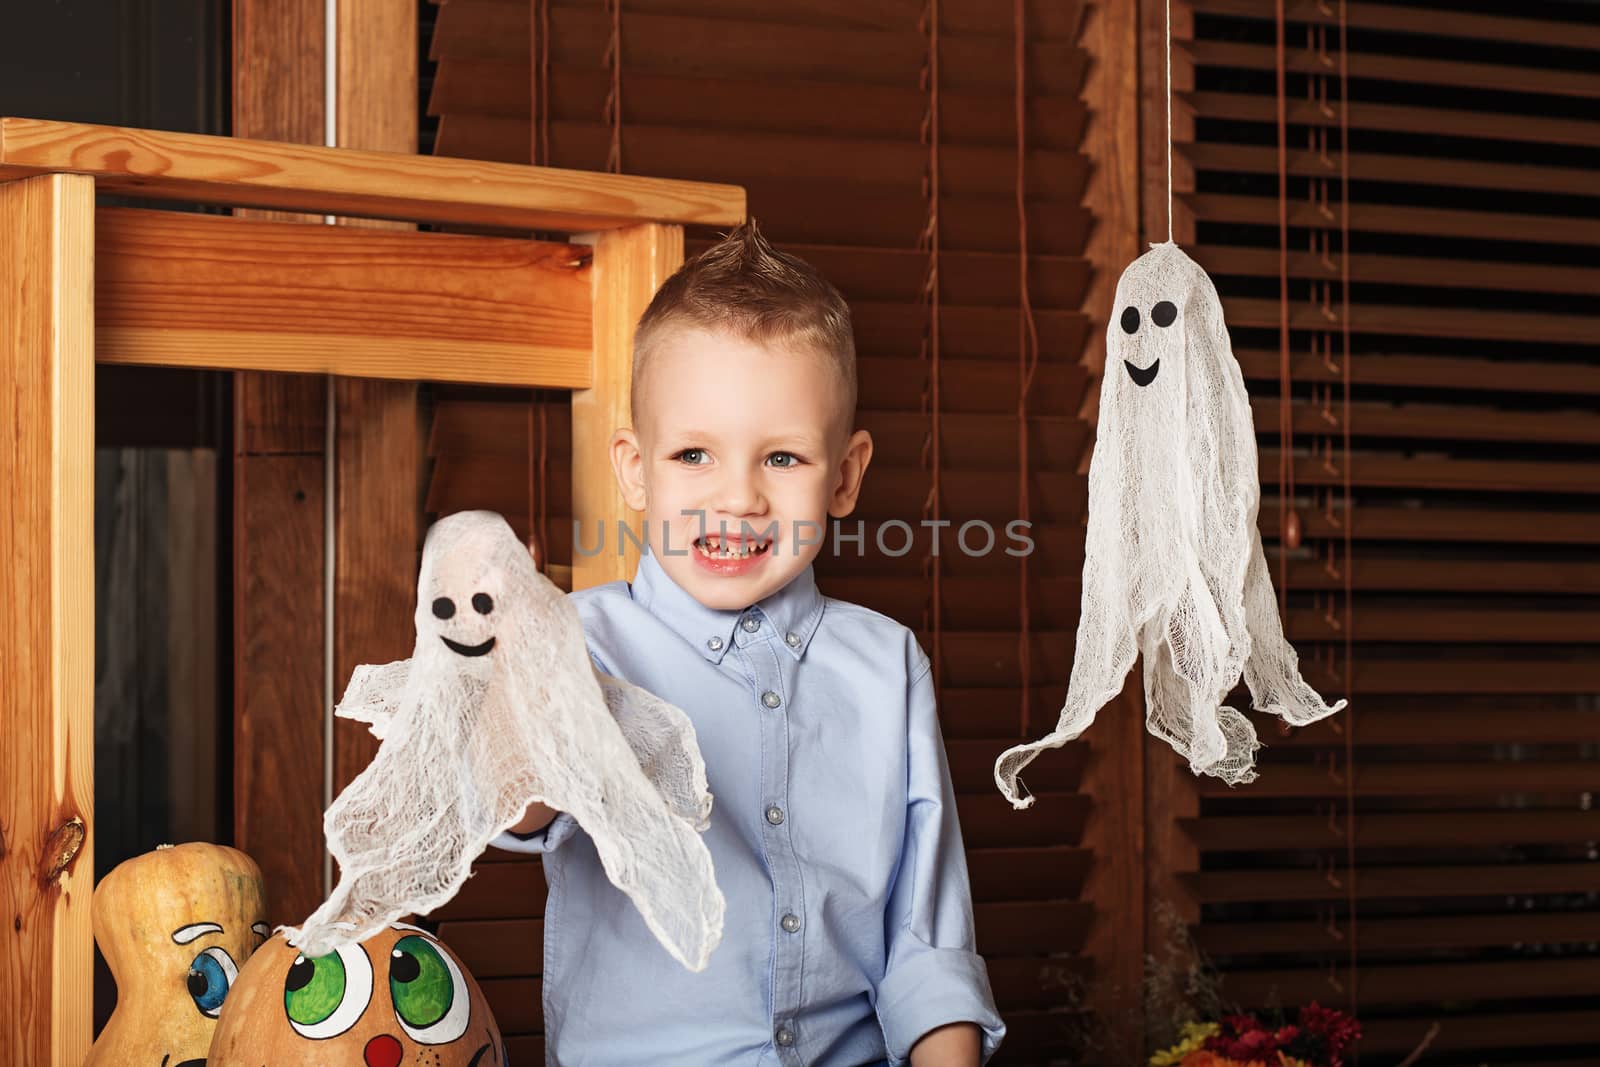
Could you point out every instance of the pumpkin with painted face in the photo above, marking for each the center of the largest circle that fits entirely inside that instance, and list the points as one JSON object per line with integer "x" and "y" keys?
{"x": 174, "y": 926}
{"x": 398, "y": 998}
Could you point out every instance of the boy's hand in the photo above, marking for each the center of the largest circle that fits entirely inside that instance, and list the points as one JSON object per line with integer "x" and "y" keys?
{"x": 536, "y": 818}
{"x": 952, "y": 1045}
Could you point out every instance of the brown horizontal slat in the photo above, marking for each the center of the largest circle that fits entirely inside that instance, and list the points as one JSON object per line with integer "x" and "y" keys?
{"x": 1476, "y": 274}
{"x": 1387, "y": 522}
{"x": 1412, "y": 69}
{"x": 1418, "y": 20}
{"x": 1442, "y": 676}
{"x": 491, "y": 91}
{"x": 1035, "y": 982}
{"x": 1394, "y": 472}
{"x": 524, "y": 1048}
{"x": 974, "y": 278}
{"x": 742, "y": 156}
{"x": 1393, "y": 118}
{"x": 1028, "y": 874}
{"x": 195, "y": 290}
{"x": 1460, "y": 829}
{"x": 967, "y": 386}
{"x": 696, "y": 46}
{"x": 978, "y": 602}
{"x": 505, "y": 948}
{"x": 990, "y": 820}
{"x": 344, "y": 181}
{"x": 1444, "y": 778}
{"x": 1423, "y": 983}
{"x": 969, "y": 496}
{"x": 875, "y": 217}
{"x": 1479, "y": 1030}
{"x": 967, "y": 441}
{"x": 1436, "y": 422}
{"x": 1383, "y": 218}
{"x": 1477, "y": 575}
{"x": 481, "y": 23}
{"x": 1433, "y": 372}
{"x": 1500, "y": 720}
{"x": 972, "y": 658}
{"x": 1464, "y": 625}
{"x": 498, "y": 891}
{"x": 1380, "y": 935}
{"x": 1381, "y": 883}
{"x": 977, "y": 712}
{"x": 1029, "y": 928}
{"x": 1418, "y": 170}
{"x": 515, "y": 1003}
{"x": 967, "y": 332}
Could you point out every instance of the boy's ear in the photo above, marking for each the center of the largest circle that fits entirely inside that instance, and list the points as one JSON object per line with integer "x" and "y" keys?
{"x": 852, "y": 468}
{"x": 627, "y": 463}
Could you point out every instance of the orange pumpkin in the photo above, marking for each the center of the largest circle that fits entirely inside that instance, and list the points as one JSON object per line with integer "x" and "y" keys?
{"x": 400, "y": 997}
{"x": 174, "y": 925}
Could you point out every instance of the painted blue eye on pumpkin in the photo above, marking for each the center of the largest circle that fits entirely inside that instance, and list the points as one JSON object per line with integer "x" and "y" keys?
{"x": 211, "y": 975}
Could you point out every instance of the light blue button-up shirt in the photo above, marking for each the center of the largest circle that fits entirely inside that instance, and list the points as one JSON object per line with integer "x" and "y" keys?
{"x": 848, "y": 932}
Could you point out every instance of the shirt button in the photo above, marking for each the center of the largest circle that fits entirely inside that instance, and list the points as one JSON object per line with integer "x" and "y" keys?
{"x": 715, "y": 644}
{"x": 771, "y": 699}
{"x": 751, "y": 624}
{"x": 792, "y": 640}
{"x": 790, "y": 923}
{"x": 775, "y": 815}
{"x": 786, "y": 1038}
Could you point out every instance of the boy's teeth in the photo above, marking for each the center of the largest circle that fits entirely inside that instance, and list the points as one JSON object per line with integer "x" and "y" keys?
{"x": 714, "y": 549}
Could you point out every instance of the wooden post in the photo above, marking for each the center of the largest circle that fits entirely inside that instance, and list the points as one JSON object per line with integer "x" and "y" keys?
{"x": 47, "y": 596}
{"x": 629, "y": 266}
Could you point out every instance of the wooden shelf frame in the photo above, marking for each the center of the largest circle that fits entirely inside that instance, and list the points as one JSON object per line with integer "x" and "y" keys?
{"x": 81, "y": 284}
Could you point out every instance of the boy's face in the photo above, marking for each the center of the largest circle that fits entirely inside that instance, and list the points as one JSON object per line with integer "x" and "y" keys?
{"x": 740, "y": 456}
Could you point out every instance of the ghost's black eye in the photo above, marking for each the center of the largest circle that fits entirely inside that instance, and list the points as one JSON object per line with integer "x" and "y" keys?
{"x": 1163, "y": 313}
{"x": 483, "y": 602}
{"x": 1130, "y": 319}
{"x": 443, "y": 608}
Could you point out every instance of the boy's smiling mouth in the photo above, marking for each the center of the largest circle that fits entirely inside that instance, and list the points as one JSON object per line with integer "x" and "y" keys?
{"x": 730, "y": 557}
{"x": 715, "y": 546}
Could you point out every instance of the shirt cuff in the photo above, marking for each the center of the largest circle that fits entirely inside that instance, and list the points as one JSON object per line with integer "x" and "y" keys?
{"x": 540, "y": 841}
{"x": 931, "y": 988}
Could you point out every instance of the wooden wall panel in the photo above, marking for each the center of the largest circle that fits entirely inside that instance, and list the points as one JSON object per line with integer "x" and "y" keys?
{"x": 280, "y": 430}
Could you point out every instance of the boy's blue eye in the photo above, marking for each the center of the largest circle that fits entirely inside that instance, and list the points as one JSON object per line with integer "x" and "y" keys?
{"x": 784, "y": 459}
{"x": 692, "y": 455}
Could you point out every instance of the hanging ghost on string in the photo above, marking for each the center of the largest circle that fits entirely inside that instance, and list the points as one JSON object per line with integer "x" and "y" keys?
{"x": 1173, "y": 564}
{"x": 499, "y": 705}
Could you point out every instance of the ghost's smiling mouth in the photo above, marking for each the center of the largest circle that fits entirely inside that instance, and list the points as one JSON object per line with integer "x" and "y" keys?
{"x": 468, "y": 650}
{"x": 1142, "y": 376}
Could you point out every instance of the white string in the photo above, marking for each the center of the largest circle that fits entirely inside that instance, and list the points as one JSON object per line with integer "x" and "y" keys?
{"x": 1169, "y": 121}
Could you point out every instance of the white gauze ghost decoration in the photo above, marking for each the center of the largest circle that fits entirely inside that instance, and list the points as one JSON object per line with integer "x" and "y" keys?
{"x": 499, "y": 705}
{"x": 1173, "y": 566}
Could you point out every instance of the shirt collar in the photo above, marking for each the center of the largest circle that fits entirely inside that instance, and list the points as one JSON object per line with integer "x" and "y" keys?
{"x": 789, "y": 616}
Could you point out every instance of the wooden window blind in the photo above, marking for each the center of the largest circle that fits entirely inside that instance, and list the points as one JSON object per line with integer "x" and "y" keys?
{"x": 1410, "y": 286}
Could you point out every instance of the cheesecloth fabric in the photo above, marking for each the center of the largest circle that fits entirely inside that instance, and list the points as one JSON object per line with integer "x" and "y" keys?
{"x": 499, "y": 705}
{"x": 1173, "y": 565}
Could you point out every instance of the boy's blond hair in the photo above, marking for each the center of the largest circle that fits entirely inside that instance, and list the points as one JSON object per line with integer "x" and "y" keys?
{"x": 745, "y": 286}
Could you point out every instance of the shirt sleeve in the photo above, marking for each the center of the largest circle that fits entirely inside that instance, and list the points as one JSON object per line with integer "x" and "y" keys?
{"x": 934, "y": 974}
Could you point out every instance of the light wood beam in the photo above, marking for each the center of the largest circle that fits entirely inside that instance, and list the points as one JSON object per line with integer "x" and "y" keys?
{"x": 47, "y": 632}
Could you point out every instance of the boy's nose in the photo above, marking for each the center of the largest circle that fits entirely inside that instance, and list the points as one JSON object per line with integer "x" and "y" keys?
{"x": 740, "y": 495}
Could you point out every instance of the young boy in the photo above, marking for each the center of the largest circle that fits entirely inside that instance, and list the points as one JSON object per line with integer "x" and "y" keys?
{"x": 848, "y": 935}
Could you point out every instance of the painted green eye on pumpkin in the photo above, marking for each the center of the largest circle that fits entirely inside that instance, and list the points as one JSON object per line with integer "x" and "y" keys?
{"x": 313, "y": 989}
{"x": 419, "y": 982}
{"x": 429, "y": 993}
{"x": 324, "y": 997}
